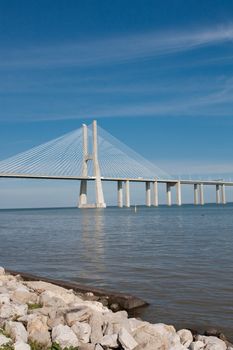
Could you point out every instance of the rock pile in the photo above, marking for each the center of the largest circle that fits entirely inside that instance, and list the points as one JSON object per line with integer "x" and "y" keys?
{"x": 39, "y": 315}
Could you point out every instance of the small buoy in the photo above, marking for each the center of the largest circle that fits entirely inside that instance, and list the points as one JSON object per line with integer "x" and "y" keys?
{"x": 135, "y": 209}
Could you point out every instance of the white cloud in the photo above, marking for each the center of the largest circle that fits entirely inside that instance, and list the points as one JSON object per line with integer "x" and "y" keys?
{"x": 113, "y": 50}
{"x": 198, "y": 168}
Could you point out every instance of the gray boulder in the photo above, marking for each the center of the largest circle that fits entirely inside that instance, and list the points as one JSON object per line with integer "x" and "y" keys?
{"x": 197, "y": 345}
{"x": 80, "y": 314}
{"x": 38, "y": 330}
{"x": 64, "y": 336}
{"x": 126, "y": 340}
{"x": 186, "y": 337}
{"x": 82, "y": 331}
{"x": 96, "y": 322}
{"x": 12, "y": 310}
{"x": 19, "y": 345}
{"x": 4, "y": 340}
{"x": 212, "y": 343}
{"x": 17, "y": 331}
{"x": 109, "y": 341}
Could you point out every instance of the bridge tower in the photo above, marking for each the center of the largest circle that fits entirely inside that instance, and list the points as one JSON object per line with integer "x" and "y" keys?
{"x": 94, "y": 158}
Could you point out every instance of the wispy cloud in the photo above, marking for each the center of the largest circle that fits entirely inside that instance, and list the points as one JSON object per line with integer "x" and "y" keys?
{"x": 197, "y": 168}
{"x": 113, "y": 50}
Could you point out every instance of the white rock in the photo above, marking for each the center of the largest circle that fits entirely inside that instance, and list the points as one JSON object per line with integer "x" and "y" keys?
{"x": 177, "y": 346}
{"x": 66, "y": 295}
{"x": 82, "y": 313}
{"x": 168, "y": 335}
{"x": 174, "y": 342}
{"x": 96, "y": 322}
{"x": 164, "y": 329}
{"x": 96, "y": 306}
{"x": 186, "y": 337}
{"x": 82, "y": 330}
{"x": 87, "y": 346}
{"x": 49, "y": 298}
{"x": 135, "y": 324}
{"x": 4, "y": 340}
{"x": 53, "y": 322}
{"x": 107, "y": 328}
{"x": 126, "y": 340}
{"x": 13, "y": 284}
{"x": 21, "y": 288}
{"x": 13, "y": 310}
{"x": 98, "y": 347}
{"x": 6, "y": 310}
{"x": 212, "y": 343}
{"x": 64, "y": 336}
{"x": 118, "y": 320}
{"x": 110, "y": 341}
{"x": 149, "y": 338}
{"x": 17, "y": 331}
{"x": 38, "y": 330}
{"x": 23, "y": 295}
{"x": 2, "y": 270}
{"x": 196, "y": 345}
{"x": 19, "y": 345}
{"x": 4, "y": 298}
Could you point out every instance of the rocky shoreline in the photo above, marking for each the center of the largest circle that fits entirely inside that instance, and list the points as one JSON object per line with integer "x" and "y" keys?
{"x": 39, "y": 315}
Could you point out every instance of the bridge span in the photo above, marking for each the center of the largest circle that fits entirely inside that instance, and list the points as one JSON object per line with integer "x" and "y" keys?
{"x": 12, "y": 169}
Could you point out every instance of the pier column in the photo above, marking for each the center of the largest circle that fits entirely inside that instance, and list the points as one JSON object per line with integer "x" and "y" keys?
{"x": 195, "y": 194}
{"x": 223, "y": 193}
{"x": 127, "y": 194}
{"x": 169, "y": 196}
{"x": 119, "y": 194}
{"x": 201, "y": 187}
{"x": 100, "y": 203}
{"x": 148, "y": 194}
{"x": 83, "y": 184}
{"x": 217, "y": 194}
{"x": 178, "y": 193}
{"x": 156, "y": 198}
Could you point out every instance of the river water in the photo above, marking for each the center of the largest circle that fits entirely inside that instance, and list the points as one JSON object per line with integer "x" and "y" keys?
{"x": 180, "y": 260}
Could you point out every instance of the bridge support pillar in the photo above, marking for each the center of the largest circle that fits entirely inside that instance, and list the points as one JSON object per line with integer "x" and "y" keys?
{"x": 169, "y": 196}
{"x": 83, "y": 184}
{"x": 83, "y": 194}
{"x": 94, "y": 157}
{"x": 217, "y": 194}
{"x": 119, "y": 194}
{"x": 127, "y": 194}
{"x": 148, "y": 194}
{"x": 195, "y": 194}
{"x": 178, "y": 193}
{"x": 156, "y": 197}
{"x": 98, "y": 183}
{"x": 223, "y": 193}
{"x": 201, "y": 188}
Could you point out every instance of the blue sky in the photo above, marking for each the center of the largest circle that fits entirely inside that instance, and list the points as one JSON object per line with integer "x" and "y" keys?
{"x": 158, "y": 71}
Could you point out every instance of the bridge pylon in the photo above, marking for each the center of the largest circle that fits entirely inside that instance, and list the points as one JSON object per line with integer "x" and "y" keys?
{"x": 83, "y": 203}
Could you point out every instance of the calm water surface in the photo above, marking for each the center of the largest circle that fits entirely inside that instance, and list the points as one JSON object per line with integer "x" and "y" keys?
{"x": 178, "y": 259}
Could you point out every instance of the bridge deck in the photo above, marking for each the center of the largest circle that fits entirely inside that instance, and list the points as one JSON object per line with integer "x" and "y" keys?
{"x": 91, "y": 178}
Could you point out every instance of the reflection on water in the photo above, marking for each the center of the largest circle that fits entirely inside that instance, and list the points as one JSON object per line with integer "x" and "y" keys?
{"x": 92, "y": 241}
{"x": 178, "y": 259}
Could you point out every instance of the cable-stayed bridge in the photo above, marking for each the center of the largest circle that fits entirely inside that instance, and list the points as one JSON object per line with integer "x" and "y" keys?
{"x": 86, "y": 155}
